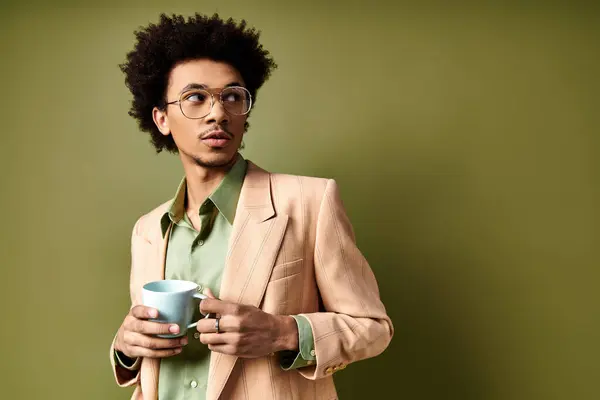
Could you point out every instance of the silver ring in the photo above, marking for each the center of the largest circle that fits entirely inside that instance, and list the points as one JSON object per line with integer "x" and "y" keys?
{"x": 217, "y": 325}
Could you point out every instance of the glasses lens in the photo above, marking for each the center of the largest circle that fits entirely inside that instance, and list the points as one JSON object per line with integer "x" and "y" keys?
{"x": 195, "y": 103}
{"x": 236, "y": 100}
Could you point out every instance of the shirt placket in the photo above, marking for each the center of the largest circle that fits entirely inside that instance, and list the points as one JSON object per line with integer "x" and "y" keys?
{"x": 194, "y": 387}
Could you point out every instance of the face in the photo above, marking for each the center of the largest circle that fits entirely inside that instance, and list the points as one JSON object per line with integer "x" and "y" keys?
{"x": 211, "y": 141}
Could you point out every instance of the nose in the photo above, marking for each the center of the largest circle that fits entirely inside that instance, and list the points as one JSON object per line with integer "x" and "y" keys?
{"x": 217, "y": 115}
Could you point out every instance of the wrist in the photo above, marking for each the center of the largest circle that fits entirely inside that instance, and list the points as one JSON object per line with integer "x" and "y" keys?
{"x": 131, "y": 364}
{"x": 288, "y": 334}
{"x": 119, "y": 349}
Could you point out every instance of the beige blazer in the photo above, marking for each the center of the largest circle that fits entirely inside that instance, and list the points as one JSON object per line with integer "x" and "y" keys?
{"x": 292, "y": 251}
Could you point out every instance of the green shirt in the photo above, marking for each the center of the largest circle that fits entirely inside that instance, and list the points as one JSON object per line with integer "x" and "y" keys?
{"x": 199, "y": 256}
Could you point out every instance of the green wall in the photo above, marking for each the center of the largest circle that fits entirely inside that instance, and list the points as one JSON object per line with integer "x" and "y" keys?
{"x": 464, "y": 138}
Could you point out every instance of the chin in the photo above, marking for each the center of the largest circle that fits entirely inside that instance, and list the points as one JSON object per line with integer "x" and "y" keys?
{"x": 217, "y": 160}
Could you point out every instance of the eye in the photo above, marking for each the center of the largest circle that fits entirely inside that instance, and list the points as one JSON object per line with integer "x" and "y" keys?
{"x": 232, "y": 97}
{"x": 195, "y": 97}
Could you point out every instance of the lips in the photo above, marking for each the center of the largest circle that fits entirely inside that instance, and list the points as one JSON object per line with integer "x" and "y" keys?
{"x": 216, "y": 139}
{"x": 217, "y": 135}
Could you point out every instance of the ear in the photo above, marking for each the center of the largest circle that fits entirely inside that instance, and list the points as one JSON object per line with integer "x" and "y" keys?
{"x": 161, "y": 119}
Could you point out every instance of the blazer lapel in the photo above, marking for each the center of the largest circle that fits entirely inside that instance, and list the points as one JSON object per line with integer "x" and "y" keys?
{"x": 150, "y": 367}
{"x": 255, "y": 241}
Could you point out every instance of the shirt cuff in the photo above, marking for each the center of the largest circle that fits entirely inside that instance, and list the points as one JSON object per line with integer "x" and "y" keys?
{"x": 120, "y": 359}
{"x": 306, "y": 356}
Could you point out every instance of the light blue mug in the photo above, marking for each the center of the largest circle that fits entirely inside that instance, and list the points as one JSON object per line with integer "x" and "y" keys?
{"x": 174, "y": 301}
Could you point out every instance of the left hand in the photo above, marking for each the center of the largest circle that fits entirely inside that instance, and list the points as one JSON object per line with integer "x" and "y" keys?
{"x": 245, "y": 331}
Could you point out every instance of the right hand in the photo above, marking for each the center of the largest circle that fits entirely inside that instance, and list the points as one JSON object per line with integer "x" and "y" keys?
{"x": 134, "y": 338}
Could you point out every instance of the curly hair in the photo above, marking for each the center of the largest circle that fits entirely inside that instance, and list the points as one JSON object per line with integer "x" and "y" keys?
{"x": 160, "y": 47}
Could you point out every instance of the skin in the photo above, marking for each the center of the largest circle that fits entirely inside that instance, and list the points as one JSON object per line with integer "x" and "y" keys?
{"x": 245, "y": 331}
{"x": 204, "y": 166}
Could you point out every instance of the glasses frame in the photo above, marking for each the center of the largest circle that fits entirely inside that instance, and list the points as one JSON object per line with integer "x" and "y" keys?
{"x": 212, "y": 93}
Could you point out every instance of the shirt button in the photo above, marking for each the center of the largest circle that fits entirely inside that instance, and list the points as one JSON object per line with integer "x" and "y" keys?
{"x": 194, "y": 384}
{"x": 312, "y": 353}
{"x": 200, "y": 242}
{"x": 196, "y": 335}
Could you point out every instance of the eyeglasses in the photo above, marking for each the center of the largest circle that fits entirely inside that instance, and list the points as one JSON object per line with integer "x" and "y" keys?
{"x": 198, "y": 103}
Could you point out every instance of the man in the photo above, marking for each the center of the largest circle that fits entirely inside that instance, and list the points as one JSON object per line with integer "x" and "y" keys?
{"x": 292, "y": 299}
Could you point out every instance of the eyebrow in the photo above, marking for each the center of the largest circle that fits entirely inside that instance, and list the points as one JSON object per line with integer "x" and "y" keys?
{"x": 191, "y": 86}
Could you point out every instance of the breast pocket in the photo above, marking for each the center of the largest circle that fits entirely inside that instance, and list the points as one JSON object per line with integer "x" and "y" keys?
{"x": 284, "y": 291}
{"x": 286, "y": 270}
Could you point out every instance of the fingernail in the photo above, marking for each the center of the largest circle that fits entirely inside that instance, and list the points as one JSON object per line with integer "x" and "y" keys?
{"x": 178, "y": 350}
{"x": 184, "y": 341}
{"x": 153, "y": 313}
{"x": 174, "y": 328}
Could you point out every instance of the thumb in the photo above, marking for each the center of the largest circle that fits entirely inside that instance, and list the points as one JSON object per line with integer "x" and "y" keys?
{"x": 208, "y": 293}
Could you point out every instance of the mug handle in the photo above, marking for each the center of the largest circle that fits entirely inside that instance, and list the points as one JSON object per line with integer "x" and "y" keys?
{"x": 201, "y": 297}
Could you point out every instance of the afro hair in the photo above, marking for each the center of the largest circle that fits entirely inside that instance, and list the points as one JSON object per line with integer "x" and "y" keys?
{"x": 160, "y": 47}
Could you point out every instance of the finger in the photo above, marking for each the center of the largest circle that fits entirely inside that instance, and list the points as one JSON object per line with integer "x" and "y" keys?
{"x": 151, "y": 328}
{"x": 207, "y": 325}
{"x": 228, "y": 349}
{"x": 149, "y": 353}
{"x": 143, "y": 312}
{"x": 227, "y": 323}
{"x": 219, "y": 307}
{"x": 220, "y": 338}
{"x": 222, "y": 348}
{"x": 210, "y": 295}
{"x": 153, "y": 343}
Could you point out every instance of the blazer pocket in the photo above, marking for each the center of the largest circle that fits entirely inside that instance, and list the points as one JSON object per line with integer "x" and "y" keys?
{"x": 287, "y": 269}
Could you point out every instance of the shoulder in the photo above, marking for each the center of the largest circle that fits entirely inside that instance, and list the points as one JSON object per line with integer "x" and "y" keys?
{"x": 288, "y": 180}
{"x": 148, "y": 225}
{"x": 310, "y": 191}
{"x": 308, "y": 182}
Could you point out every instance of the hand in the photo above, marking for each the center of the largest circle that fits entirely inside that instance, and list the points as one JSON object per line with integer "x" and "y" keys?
{"x": 134, "y": 340}
{"x": 245, "y": 331}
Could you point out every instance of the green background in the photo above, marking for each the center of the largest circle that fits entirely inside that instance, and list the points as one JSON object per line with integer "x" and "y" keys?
{"x": 464, "y": 137}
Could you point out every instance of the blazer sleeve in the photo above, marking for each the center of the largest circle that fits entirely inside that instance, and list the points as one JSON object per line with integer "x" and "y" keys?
{"x": 354, "y": 325}
{"x": 123, "y": 376}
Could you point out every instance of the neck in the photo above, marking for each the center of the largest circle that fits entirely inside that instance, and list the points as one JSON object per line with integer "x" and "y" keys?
{"x": 202, "y": 181}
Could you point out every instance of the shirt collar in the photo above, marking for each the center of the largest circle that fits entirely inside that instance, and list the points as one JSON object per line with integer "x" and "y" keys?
{"x": 225, "y": 197}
